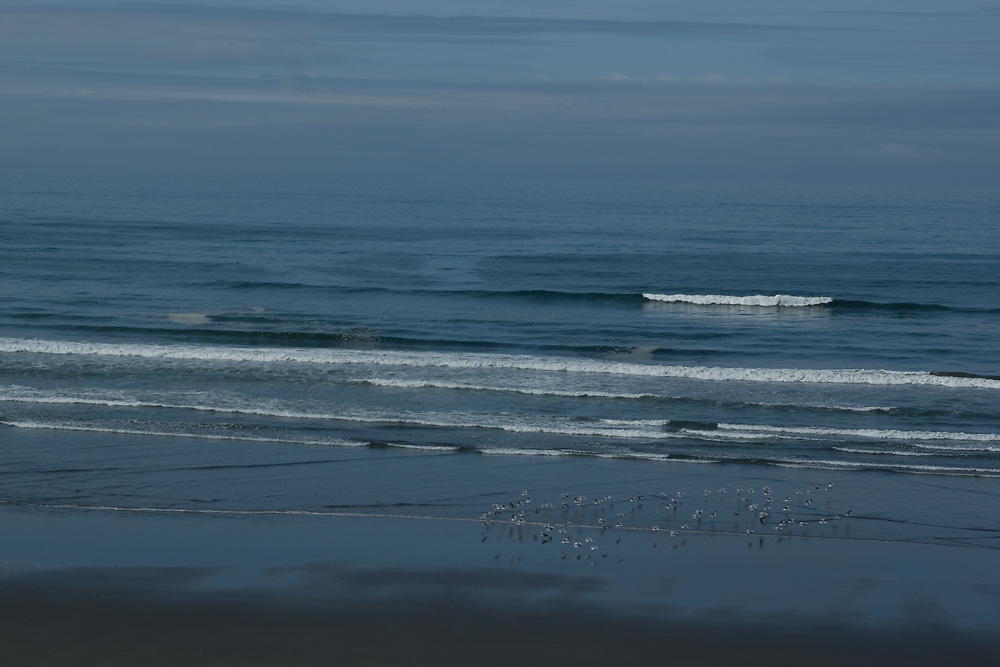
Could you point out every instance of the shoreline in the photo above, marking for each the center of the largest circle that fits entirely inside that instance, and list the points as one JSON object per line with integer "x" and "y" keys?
{"x": 377, "y": 557}
{"x": 169, "y": 589}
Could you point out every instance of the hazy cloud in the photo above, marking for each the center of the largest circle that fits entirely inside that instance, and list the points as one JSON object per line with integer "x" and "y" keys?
{"x": 526, "y": 90}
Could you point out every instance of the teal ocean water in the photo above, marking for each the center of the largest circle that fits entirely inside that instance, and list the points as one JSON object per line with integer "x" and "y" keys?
{"x": 168, "y": 348}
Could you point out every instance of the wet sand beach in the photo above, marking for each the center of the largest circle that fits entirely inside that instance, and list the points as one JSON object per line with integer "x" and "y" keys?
{"x": 508, "y": 576}
{"x": 122, "y": 617}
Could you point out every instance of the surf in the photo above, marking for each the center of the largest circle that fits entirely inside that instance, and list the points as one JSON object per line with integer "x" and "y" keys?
{"x": 758, "y": 300}
{"x": 470, "y": 360}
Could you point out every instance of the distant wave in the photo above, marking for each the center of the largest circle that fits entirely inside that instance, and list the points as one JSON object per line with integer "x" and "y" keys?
{"x": 471, "y": 360}
{"x": 624, "y": 299}
{"x": 721, "y": 300}
{"x": 542, "y": 295}
{"x": 359, "y": 337}
{"x": 718, "y": 300}
{"x": 762, "y": 300}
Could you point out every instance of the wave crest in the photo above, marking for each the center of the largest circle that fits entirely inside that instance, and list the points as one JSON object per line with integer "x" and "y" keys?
{"x": 467, "y": 360}
{"x": 762, "y": 300}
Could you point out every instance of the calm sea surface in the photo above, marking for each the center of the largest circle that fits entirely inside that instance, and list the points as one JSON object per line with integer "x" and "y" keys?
{"x": 148, "y": 334}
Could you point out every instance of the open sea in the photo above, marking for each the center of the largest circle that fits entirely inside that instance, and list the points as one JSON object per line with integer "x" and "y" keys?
{"x": 196, "y": 350}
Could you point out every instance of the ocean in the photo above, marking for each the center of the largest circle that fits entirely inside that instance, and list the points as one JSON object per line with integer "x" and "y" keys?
{"x": 472, "y": 352}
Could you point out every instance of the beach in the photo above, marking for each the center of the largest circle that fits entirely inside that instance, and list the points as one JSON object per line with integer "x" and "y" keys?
{"x": 463, "y": 582}
{"x": 532, "y": 333}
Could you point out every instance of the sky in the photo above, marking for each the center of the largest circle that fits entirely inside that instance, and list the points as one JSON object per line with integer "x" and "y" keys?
{"x": 658, "y": 91}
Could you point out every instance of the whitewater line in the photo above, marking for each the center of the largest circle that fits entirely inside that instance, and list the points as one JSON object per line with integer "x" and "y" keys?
{"x": 471, "y": 360}
{"x": 760, "y": 300}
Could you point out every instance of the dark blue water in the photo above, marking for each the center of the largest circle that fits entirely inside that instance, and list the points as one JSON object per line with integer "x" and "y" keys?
{"x": 617, "y": 322}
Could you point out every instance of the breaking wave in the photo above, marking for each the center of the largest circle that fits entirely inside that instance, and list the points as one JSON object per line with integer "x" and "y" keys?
{"x": 476, "y": 360}
{"x": 760, "y": 300}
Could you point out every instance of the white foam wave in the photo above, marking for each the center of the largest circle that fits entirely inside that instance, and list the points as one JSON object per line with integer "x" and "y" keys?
{"x": 880, "y": 452}
{"x": 643, "y": 429}
{"x": 424, "y": 448}
{"x": 531, "y": 452}
{"x": 828, "y": 406}
{"x": 335, "y": 442}
{"x": 640, "y": 429}
{"x": 964, "y": 449}
{"x": 868, "y": 433}
{"x": 490, "y": 361}
{"x": 19, "y": 394}
{"x": 433, "y": 384}
{"x": 635, "y": 422}
{"x": 912, "y": 468}
{"x": 649, "y": 456}
{"x": 516, "y": 451}
{"x": 639, "y": 456}
{"x": 762, "y": 300}
{"x": 588, "y": 393}
{"x": 729, "y": 436}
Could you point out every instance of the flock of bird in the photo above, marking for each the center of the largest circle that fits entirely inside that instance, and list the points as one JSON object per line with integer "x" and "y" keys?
{"x": 583, "y": 528}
